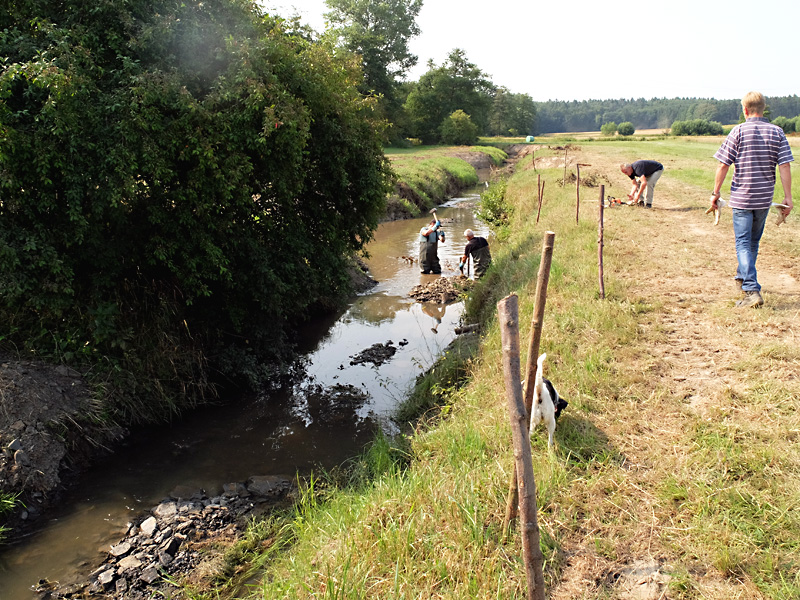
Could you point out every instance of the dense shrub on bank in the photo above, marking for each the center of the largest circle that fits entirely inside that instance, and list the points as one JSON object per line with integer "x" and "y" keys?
{"x": 696, "y": 127}
{"x": 178, "y": 183}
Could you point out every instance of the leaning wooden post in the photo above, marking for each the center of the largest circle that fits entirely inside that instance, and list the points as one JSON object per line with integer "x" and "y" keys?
{"x": 533, "y": 156}
{"x": 600, "y": 242}
{"x": 564, "y": 181}
{"x": 539, "y": 301}
{"x": 539, "y": 190}
{"x": 508, "y": 313}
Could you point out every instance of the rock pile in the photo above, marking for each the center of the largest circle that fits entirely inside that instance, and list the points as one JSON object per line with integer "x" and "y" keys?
{"x": 172, "y": 541}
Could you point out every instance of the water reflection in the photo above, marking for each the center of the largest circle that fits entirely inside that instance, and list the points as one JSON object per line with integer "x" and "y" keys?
{"x": 436, "y": 312}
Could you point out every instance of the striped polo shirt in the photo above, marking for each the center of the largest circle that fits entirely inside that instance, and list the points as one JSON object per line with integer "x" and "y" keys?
{"x": 754, "y": 148}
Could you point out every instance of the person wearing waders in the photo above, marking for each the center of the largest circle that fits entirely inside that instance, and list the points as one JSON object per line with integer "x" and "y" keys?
{"x": 478, "y": 249}
{"x": 429, "y": 237}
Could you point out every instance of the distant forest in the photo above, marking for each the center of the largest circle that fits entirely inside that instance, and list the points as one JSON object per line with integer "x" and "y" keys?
{"x": 659, "y": 113}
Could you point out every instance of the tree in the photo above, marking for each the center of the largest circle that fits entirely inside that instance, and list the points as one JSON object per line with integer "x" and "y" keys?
{"x": 706, "y": 111}
{"x": 626, "y": 128}
{"x": 379, "y": 32}
{"x": 170, "y": 199}
{"x": 457, "y": 84}
{"x": 511, "y": 114}
{"x": 459, "y": 130}
{"x": 609, "y": 128}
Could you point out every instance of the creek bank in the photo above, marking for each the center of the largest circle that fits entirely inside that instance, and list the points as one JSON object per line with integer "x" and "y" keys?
{"x": 396, "y": 209}
{"x": 174, "y": 541}
{"x": 47, "y": 435}
{"x": 50, "y": 434}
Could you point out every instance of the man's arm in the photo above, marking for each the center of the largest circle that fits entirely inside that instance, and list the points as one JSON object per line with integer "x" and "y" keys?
{"x": 785, "y": 171}
{"x": 432, "y": 228}
{"x": 638, "y": 187}
{"x": 719, "y": 179}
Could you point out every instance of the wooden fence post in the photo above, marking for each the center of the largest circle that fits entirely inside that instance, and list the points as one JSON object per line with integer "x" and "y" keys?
{"x": 577, "y": 192}
{"x": 539, "y": 302}
{"x": 600, "y": 242}
{"x": 508, "y": 314}
{"x": 578, "y": 189}
{"x": 540, "y": 193}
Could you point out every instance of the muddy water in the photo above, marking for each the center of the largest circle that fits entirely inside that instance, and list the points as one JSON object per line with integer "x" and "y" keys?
{"x": 281, "y": 432}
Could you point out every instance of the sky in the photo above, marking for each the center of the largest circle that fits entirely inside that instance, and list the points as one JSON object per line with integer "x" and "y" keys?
{"x": 607, "y": 49}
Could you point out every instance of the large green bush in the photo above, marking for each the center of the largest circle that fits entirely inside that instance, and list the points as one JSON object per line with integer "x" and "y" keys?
{"x": 609, "y": 128}
{"x": 493, "y": 208}
{"x": 788, "y": 125}
{"x": 178, "y": 183}
{"x": 459, "y": 130}
{"x": 696, "y": 127}
{"x": 626, "y": 128}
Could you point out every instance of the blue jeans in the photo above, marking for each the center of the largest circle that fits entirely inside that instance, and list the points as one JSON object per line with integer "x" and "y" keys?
{"x": 748, "y": 225}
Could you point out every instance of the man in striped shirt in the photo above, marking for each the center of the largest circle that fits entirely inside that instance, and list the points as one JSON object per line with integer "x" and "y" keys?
{"x": 755, "y": 148}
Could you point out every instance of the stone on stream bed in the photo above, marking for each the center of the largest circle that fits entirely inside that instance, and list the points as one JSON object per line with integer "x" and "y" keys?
{"x": 376, "y": 354}
{"x": 173, "y": 541}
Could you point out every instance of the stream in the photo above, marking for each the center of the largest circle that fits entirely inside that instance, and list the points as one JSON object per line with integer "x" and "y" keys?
{"x": 281, "y": 432}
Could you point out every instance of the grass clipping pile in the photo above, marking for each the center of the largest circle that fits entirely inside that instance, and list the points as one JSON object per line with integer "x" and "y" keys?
{"x": 442, "y": 290}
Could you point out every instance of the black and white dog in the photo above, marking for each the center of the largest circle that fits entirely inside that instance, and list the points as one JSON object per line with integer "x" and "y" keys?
{"x": 547, "y": 404}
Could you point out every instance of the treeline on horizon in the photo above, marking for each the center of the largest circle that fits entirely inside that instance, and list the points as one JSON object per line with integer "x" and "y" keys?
{"x": 658, "y": 113}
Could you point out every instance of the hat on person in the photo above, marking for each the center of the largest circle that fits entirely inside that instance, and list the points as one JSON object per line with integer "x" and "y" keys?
{"x": 469, "y": 233}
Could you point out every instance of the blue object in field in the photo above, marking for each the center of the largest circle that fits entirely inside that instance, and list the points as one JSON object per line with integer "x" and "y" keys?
{"x": 529, "y": 138}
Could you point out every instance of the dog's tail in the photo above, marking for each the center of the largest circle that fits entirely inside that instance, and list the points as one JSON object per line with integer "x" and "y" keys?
{"x": 537, "y": 390}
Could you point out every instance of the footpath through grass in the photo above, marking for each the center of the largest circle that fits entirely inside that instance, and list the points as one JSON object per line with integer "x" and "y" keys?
{"x": 676, "y": 472}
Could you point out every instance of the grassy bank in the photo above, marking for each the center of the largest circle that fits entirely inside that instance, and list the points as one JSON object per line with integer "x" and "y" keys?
{"x": 676, "y": 466}
{"x": 429, "y": 175}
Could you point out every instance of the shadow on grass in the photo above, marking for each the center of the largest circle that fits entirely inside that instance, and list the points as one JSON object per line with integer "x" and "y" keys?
{"x": 581, "y": 443}
{"x": 684, "y": 209}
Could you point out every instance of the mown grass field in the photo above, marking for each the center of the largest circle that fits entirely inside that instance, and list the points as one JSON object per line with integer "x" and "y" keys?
{"x": 676, "y": 471}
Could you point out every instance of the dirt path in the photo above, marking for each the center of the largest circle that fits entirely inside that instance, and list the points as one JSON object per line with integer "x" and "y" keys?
{"x": 699, "y": 360}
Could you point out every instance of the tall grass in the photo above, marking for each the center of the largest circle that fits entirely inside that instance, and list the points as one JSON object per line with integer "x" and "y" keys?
{"x": 8, "y": 502}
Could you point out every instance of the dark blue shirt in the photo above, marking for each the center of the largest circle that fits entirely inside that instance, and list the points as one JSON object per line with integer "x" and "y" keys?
{"x": 645, "y": 167}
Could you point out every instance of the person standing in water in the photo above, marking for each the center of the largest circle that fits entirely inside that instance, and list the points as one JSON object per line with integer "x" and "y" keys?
{"x": 478, "y": 249}
{"x": 429, "y": 247}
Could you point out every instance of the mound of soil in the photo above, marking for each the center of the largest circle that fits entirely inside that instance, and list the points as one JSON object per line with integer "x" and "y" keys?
{"x": 45, "y": 434}
{"x": 442, "y": 290}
